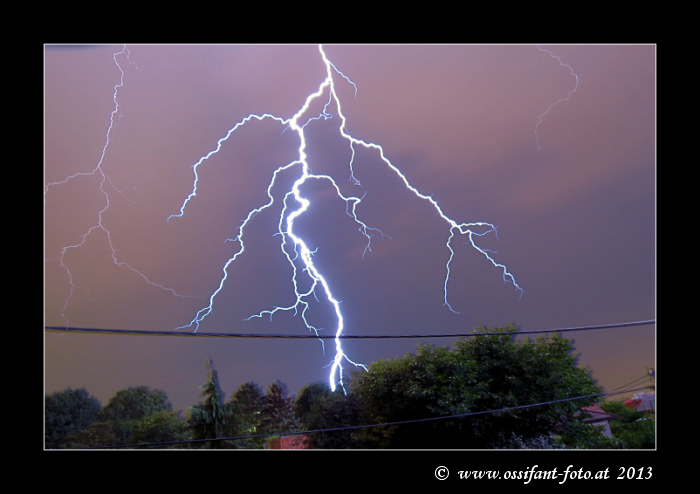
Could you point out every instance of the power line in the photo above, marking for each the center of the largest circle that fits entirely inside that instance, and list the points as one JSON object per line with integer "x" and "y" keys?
{"x": 316, "y": 337}
{"x": 353, "y": 427}
{"x": 283, "y": 336}
{"x": 633, "y": 381}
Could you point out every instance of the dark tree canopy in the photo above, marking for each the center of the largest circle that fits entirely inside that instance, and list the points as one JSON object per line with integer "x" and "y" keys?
{"x": 247, "y": 405}
{"x": 330, "y": 410}
{"x": 636, "y": 429}
{"x": 135, "y": 403}
{"x": 517, "y": 373}
{"x": 431, "y": 382}
{"x": 278, "y": 410}
{"x": 96, "y": 434}
{"x": 68, "y": 412}
{"x": 133, "y": 415}
{"x": 160, "y": 427}
{"x": 483, "y": 392}
{"x": 250, "y": 397}
{"x": 494, "y": 374}
{"x": 308, "y": 395}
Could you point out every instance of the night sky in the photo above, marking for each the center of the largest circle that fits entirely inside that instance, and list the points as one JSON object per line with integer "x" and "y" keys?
{"x": 575, "y": 218}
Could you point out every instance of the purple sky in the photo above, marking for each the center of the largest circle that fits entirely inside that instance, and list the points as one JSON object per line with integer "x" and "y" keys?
{"x": 576, "y": 219}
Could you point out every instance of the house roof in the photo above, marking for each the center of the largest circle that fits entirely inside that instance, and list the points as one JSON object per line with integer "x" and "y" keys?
{"x": 641, "y": 402}
{"x": 632, "y": 404}
{"x": 289, "y": 442}
{"x": 597, "y": 414}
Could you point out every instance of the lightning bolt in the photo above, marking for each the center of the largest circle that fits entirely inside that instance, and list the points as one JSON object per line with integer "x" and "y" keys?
{"x": 297, "y": 252}
{"x": 537, "y": 137}
{"x": 104, "y": 180}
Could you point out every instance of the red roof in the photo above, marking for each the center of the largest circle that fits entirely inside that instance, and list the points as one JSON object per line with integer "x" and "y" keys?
{"x": 597, "y": 413}
{"x": 641, "y": 402}
{"x": 632, "y": 404}
{"x": 289, "y": 442}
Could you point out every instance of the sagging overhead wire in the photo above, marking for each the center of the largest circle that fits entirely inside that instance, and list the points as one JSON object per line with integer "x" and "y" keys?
{"x": 316, "y": 337}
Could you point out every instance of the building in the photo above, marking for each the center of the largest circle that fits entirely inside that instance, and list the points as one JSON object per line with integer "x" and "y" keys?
{"x": 599, "y": 417}
{"x": 288, "y": 442}
{"x": 642, "y": 402}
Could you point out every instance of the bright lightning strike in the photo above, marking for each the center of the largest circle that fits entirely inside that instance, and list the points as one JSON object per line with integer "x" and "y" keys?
{"x": 99, "y": 171}
{"x": 296, "y": 204}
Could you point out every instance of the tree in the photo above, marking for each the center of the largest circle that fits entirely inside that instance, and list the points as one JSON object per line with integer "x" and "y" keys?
{"x": 128, "y": 418}
{"x": 129, "y": 405}
{"x": 325, "y": 409}
{"x": 640, "y": 434}
{"x": 622, "y": 414}
{"x": 208, "y": 417}
{"x": 635, "y": 429}
{"x": 518, "y": 373}
{"x": 96, "y": 434}
{"x": 135, "y": 403}
{"x": 278, "y": 410}
{"x": 576, "y": 434}
{"x": 432, "y": 382}
{"x": 505, "y": 392}
{"x": 68, "y": 412}
{"x": 160, "y": 427}
{"x": 249, "y": 396}
{"x": 307, "y": 397}
{"x": 248, "y": 403}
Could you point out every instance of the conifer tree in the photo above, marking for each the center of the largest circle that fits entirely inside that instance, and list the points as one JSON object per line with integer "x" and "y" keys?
{"x": 278, "y": 411}
{"x": 248, "y": 403}
{"x": 208, "y": 418}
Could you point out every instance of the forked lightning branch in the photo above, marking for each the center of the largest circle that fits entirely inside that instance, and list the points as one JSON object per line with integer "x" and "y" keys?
{"x": 294, "y": 204}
